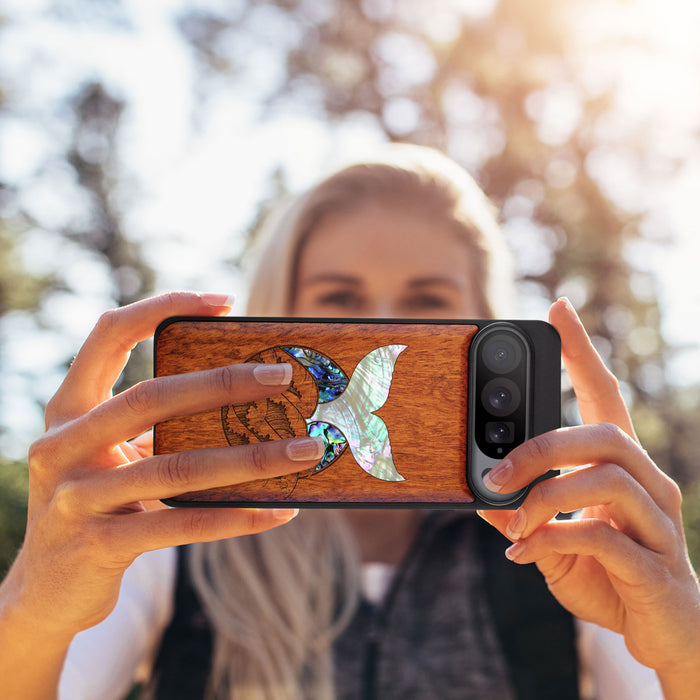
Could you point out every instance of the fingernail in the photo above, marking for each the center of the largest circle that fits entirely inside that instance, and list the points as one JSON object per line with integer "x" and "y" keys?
{"x": 499, "y": 476}
{"x": 517, "y": 525}
{"x": 218, "y": 299}
{"x": 273, "y": 374}
{"x": 285, "y": 514}
{"x": 515, "y": 550}
{"x": 305, "y": 449}
{"x": 569, "y": 306}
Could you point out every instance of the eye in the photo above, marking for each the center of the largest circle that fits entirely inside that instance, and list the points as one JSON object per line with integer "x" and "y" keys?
{"x": 343, "y": 299}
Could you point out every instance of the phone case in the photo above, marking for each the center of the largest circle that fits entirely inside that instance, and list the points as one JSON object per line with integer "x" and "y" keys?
{"x": 390, "y": 398}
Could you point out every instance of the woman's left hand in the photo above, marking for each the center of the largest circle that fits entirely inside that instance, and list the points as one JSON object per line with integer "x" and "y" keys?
{"x": 623, "y": 564}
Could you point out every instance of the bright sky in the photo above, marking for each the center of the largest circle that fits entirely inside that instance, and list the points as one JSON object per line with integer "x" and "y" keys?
{"x": 194, "y": 189}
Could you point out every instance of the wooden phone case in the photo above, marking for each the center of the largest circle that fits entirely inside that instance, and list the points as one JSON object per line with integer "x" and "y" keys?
{"x": 424, "y": 414}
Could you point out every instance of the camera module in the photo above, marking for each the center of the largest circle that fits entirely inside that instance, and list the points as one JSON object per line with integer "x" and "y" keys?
{"x": 505, "y": 358}
{"x": 501, "y": 389}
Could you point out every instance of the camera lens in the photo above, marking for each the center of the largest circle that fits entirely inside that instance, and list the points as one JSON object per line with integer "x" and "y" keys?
{"x": 501, "y": 396}
{"x": 502, "y": 353}
{"x": 499, "y": 432}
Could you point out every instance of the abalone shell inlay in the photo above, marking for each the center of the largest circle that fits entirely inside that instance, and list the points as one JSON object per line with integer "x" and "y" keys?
{"x": 330, "y": 379}
{"x": 334, "y": 439}
{"x": 352, "y": 412}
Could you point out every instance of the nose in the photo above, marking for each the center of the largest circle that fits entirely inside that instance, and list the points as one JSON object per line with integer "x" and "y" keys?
{"x": 383, "y": 308}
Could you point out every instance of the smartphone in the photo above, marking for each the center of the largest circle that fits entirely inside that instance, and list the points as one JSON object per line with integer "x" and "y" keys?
{"x": 413, "y": 413}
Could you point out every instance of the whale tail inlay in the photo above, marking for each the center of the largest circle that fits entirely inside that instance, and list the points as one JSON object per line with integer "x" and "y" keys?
{"x": 352, "y": 412}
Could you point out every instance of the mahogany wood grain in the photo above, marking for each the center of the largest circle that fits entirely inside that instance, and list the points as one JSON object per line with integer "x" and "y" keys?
{"x": 426, "y": 411}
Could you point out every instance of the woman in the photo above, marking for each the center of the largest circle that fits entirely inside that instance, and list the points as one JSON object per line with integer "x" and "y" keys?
{"x": 412, "y": 236}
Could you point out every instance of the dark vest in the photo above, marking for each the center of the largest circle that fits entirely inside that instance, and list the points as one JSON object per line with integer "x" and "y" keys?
{"x": 460, "y": 621}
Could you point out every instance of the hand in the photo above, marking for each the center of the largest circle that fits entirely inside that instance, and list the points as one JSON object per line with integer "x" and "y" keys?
{"x": 624, "y": 564}
{"x": 88, "y": 516}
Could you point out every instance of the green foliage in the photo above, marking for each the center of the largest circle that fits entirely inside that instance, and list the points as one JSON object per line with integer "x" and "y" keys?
{"x": 14, "y": 483}
{"x": 691, "y": 521}
{"x": 18, "y": 289}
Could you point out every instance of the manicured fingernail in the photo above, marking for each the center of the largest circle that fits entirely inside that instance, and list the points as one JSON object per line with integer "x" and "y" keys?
{"x": 498, "y": 476}
{"x": 305, "y": 449}
{"x": 515, "y": 550}
{"x": 517, "y": 525}
{"x": 569, "y": 306}
{"x": 285, "y": 514}
{"x": 218, "y": 299}
{"x": 273, "y": 374}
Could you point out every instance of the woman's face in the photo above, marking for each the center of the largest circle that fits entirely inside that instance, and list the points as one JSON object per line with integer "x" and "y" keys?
{"x": 385, "y": 261}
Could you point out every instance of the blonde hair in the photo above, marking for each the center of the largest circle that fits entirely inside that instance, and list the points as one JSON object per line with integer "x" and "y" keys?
{"x": 277, "y": 600}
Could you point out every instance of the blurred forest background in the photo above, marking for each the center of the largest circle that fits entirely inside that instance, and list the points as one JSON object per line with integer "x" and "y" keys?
{"x": 580, "y": 119}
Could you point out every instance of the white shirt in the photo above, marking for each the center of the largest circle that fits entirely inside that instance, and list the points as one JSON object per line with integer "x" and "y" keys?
{"x": 104, "y": 661}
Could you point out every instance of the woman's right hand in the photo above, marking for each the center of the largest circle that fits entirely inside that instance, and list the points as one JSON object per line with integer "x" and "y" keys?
{"x": 88, "y": 516}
